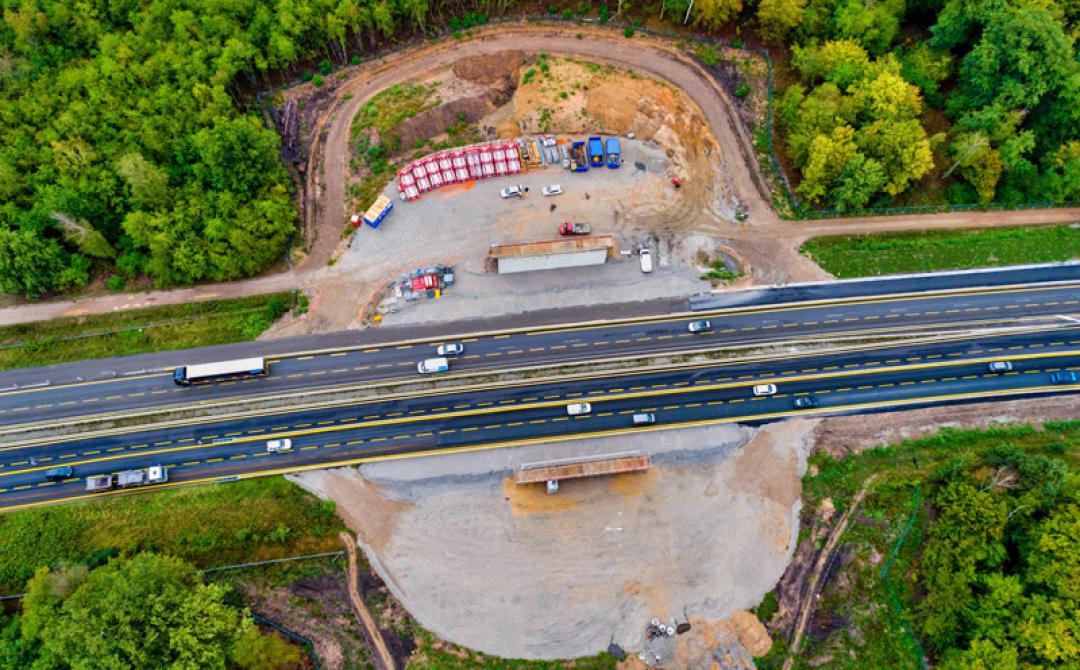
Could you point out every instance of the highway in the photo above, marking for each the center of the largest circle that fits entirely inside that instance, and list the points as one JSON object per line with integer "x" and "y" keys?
{"x": 875, "y": 378}
{"x": 44, "y": 400}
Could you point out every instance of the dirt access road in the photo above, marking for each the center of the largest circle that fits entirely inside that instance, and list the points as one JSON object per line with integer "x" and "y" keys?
{"x": 768, "y": 244}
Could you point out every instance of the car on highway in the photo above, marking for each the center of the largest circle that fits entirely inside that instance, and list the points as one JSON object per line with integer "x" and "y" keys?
{"x": 517, "y": 191}
{"x": 645, "y": 258}
{"x": 1063, "y": 377}
{"x": 274, "y": 446}
{"x": 805, "y": 402}
{"x": 62, "y": 472}
{"x": 578, "y": 408}
{"x": 552, "y": 189}
{"x": 432, "y": 365}
{"x": 644, "y": 419}
{"x": 1000, "y": 366}
{"x": 699, "y": 326}
{"x": 764, "y": 390}
{"x": 450, "y": 349}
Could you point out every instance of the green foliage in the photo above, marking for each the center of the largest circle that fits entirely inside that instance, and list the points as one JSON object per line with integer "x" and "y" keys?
{"x": 115, "y": 282}
{"x": 990, "y": 564}
{"x": 779, "y": 17}
{"x": 317, "y": 81}
{"x": 742, "y": 91}
{"x": 628, "y": 32}
{"x": 715, "y": 13}
{"x": 707, "y": 54}
{"x": 138, "y": 330}
{"x": 926, "y": 251}
{"x": 124, "y": 123}
{"x": 568, "y": 14}
{"x": 856, "y": 134}
{"x": 156, "y": 611}
{"x": 325, "y": 67}
{"x": 432, "y": 655}
{"x": 208, "y": 526}
{"x": 30, "y": 264}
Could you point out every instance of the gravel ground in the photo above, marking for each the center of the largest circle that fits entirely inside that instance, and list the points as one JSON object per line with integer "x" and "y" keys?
{"x": 457, "y": 224}
{"x": 515, "y": 572}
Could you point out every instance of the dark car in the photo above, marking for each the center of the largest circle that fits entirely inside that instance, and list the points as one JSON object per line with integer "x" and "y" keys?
{"x": 56, "y": 474}
{"x": 805, "y": 402}
{"x": 700, "y": 326}
{"x": 1063, "y": 377}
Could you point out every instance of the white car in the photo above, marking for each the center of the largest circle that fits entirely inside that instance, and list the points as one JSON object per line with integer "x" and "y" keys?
{"x": 274, "y": 446}
{"x": 645, "y": 257}
{"x": 552, "y": 189}
{"x": 450, "y": 349}
{"x": 578, "y": 408}
{"x": 765, "y": 389}
{"x": 518, "y": 191}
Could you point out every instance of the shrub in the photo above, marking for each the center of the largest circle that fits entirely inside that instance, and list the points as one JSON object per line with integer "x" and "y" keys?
{"x": 355, "y": 60}
{"x": 579, "y": 36}
{"x": 707, "y": 54}
{"x": 317, "y": 80}
{"x": 307, "y": 76}
{"x": 604, "y": 14}
{"x": 325, "y": 67}
{"x": 738, "y": 44}
{"x": 568, "y": 14}
{"x": 552, "y": 9}
{"x": 115, "y": 282}
{"x": 742, "y": 91}
{"x": 628, "y": 32}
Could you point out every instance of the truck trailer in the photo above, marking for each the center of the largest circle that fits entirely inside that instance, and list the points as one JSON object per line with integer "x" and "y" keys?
{"x": 614, "y": 153}
{"x": 378, "y": 211}
{"x": 578, "y": 157}
{"x": 155, "y": 474}
{"x": 596, "y": 151}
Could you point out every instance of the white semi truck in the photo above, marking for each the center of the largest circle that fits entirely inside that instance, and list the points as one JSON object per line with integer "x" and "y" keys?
{"x": 155, "y": 474}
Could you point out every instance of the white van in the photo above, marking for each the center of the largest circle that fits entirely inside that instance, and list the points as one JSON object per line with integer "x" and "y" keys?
{"x": 431, "y": 365}
{"x": 645, "y": 257}
{"x": 275, "y": 446}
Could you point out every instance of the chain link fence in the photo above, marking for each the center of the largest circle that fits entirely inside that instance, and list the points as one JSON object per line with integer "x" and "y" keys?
{"x": 898, "y": 610}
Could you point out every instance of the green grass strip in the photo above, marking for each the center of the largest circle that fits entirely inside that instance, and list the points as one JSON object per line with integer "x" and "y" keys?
{"x": 139, "y": 331}
{"x": 847, "y": 256}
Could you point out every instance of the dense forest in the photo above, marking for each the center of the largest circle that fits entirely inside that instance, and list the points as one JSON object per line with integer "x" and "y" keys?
{"x": 1001, "y": 566}
{"x": 144, "y": 612}
{"x": 1004, "y": 73}
{"x": 130, "y": 146}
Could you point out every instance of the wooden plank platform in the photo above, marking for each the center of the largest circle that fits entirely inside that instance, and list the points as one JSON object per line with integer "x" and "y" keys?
{"x": 597, "y": 467}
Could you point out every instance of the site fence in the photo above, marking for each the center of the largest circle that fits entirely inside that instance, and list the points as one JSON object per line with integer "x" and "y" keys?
{"x": 799, "y": 210}
{"x": 897, "y": 608}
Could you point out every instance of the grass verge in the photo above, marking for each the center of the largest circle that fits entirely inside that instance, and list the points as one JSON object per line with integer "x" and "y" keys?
{"x": 138, "y": 331}
{"x": 249, "y": 520}
{"x": 848, "y": 256}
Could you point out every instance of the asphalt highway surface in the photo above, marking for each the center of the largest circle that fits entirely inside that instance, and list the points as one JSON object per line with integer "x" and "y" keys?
{"x": 44, "y": 402}
{"x": 871, "y": 379}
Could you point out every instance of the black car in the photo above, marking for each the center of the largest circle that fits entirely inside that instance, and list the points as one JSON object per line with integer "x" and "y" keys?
{"x": 805, "y": 402}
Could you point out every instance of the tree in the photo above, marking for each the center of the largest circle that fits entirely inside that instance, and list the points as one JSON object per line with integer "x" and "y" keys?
{"x": 779, "y": 17}
{"x": 142, "y": 612}
{"x": 237, "y": 155}
{"x": 875, "y": 25}
{"x": 30, "y": 265}
{"x": 148, "y": 184}
{"x": 715, "y": 13}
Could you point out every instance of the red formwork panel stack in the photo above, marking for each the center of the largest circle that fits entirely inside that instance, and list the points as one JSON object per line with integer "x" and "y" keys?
{"x": 454, "y": 166}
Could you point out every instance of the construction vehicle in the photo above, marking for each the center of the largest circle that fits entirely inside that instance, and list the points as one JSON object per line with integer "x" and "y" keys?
{"x": 578, "y": 158}
{"x": 571, "y": 228}
{"x": 614, "y": 153}
{"x": 596, "y": 151}
{"x": 155, "y": 474}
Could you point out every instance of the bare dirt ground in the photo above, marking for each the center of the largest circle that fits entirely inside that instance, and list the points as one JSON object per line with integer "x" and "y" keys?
{"x": 560, "y": 576}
